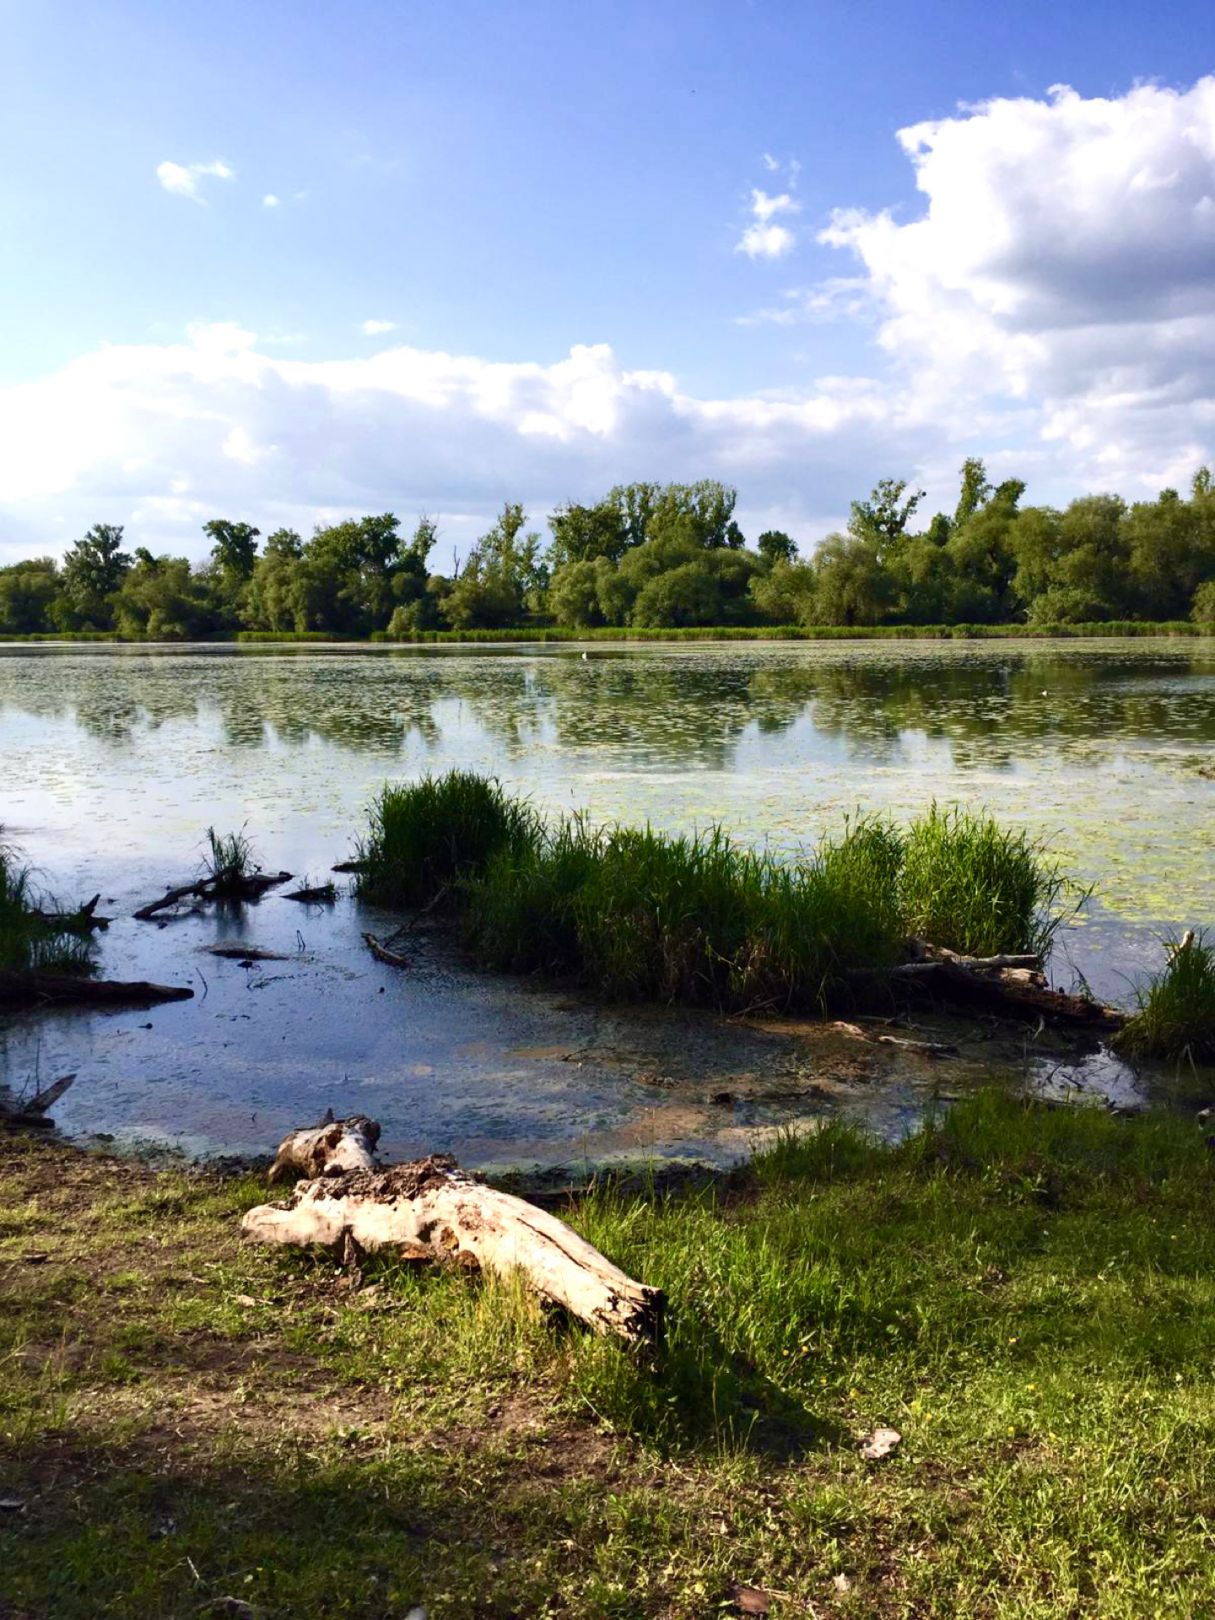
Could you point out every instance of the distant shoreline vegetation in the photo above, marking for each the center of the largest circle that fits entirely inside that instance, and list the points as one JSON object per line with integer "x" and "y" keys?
{"x": 556, "y": 634}
{"x": 656, "y": 561}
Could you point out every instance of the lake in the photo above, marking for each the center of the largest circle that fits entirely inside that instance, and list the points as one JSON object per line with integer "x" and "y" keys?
{"x": 115, "y": 760}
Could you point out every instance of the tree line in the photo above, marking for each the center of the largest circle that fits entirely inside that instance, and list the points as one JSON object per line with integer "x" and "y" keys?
{"x": 652, "y": 555}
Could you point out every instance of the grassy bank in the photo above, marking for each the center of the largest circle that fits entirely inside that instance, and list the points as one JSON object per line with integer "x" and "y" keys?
{"x": 28, "y": 940}
{"x": 1026, "y": 1296}
{"x": 1120, "y": 629}
{"x": 637, "y": 915}
{"x": 822, "y": 632}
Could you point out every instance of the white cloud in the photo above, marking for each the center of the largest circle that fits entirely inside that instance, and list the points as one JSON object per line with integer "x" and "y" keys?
{"x": 764, "y": 206}
{"x": 374, "y": 328}
{"x": 182, "y": 178}
{"x": 765, "y": 241}
{"x": 761, "y": 239}
{"x": 770, "y": 163}
{"x": 221, "y": 423}
{"x": 1063, "y": 271}
{"x": 270, "y": 200}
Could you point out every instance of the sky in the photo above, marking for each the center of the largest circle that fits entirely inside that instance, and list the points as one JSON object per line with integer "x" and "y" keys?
{"x": 294, "y": 262}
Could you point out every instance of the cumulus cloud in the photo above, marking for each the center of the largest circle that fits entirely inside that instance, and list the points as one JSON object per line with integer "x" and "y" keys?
{"x": 181, "y": 179}
{"x": 374, "y": 328}
{"x": 1065, "y": 265}
{"x": 270, "y": 200}
{"x": 762, "y": 239}
{"x": 161, "y": 433}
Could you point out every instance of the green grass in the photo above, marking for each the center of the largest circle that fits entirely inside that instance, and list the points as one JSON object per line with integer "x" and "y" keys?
{"x": 27, "y": 941}
{"x": 425, "y": 837}
{"x": 228, "y": 860}
{"x": 976, "y": 887}
{"x": 638, "y": 915}
{"x": 1176, "y": 1012}
{"x": 1025, "y": 1295}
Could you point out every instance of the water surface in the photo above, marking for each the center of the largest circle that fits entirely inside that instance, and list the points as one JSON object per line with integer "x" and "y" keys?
{"x": 116, "y": 758}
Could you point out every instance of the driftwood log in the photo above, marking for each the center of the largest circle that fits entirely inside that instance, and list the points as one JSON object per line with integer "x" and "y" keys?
{"x": 21, "y": 989}
{"x": 32, "y": 1111}
{"x": 81, "y": 921}
{"x": 432, "y": 1210}
{"x": 1012, "y": 985}
{"x": 251, "y": 887}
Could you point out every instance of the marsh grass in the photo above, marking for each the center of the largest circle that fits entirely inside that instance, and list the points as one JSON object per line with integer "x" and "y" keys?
{"x": 696, "y": 919}
{"x": 228, "y": 860}
{"x": 425, "y": 837}
{"x": 1026, "y": 1295}
{"x": 1176, "y": 1009}
{"x": 27, "y": 941}
{"x": 976, "y": 887}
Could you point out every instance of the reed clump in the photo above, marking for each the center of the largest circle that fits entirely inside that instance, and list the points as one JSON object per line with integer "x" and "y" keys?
{"x": 32, "y": 938}
{"x": 973, "y": 886}
{"x": 426, "y": 836}
{"x": 1176, "y": 1011}
{"x": 228, "y": 861}
{"x": 639, "y": 915}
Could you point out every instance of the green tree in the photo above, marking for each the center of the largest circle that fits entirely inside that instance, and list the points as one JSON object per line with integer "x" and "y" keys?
{"x": 161, "y": 598}
{"x": 882, "y": 520}
{"x": 774, "y": 546}
{"x": 93, "y": 569}
{"x": 28, "y": 593}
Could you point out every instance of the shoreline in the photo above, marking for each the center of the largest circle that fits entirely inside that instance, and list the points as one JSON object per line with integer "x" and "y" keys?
{"x": 1180, "y": 630}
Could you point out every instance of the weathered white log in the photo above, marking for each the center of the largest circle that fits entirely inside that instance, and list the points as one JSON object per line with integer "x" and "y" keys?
{"x": 329, "y": 1149}
{"x": 431, "y": 1207}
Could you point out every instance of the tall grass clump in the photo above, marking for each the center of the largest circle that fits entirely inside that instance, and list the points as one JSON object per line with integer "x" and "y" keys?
{"x": 1176, "y": 1013}
{"x": 30, "y": 942}
{"x": 228, "y": 859}
{"x": 976, "y": 887}
{"x": 426, "y": 836}
{"x": 638, "y": 915}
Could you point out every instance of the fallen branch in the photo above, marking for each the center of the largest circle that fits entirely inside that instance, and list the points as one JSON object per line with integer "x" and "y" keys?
{"x": 320, "y": 894}
{"x": 350, "y": 866}
{"x": 213, "y": 888}
{"x": 42, "y": 1101}
{"x": 81, "y": 921}
{"x": 235, "y": 952}
{"x": 432, "y": 1209}
{"x": 384, "y": 953}
{"x": 32, "y": 1111}
{"x": 20, "y": 989}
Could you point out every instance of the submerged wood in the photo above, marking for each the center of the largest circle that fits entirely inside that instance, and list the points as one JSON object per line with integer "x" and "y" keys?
{"x": 1012, "y": 985}
{"x": 81, "y": 921}
{"x": 431, "y": 1208}
{"x": 350, "y": 866}
{"x": 21, "y": 989}
{"x": 385, "y": 953}
{"x": 213, "y": 888}
{"x": 235, "y": 952}
{"x": 320, "y": 894}
{"x": 32, "y": 1111}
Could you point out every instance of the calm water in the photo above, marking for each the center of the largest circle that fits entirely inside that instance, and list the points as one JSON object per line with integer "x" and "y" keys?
{"x": 116, "y": 759}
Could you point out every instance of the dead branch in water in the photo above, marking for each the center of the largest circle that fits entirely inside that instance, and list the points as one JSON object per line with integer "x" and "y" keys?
{"x": 251, "y": 887}
{"x": 384, "y": 953}
{"x": 21, "y": 989}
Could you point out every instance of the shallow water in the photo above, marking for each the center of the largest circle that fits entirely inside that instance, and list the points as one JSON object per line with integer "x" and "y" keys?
{"x": 115, "y": 759}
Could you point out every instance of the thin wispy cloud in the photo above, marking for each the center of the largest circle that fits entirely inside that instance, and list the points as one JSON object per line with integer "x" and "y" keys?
{"x": 375, "y": 328}
{"x": 270, "y": 200}
{"x": 182, "y": 179}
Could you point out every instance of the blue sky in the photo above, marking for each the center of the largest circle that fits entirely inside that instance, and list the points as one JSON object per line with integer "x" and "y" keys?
{"x": 499, "y": 187}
